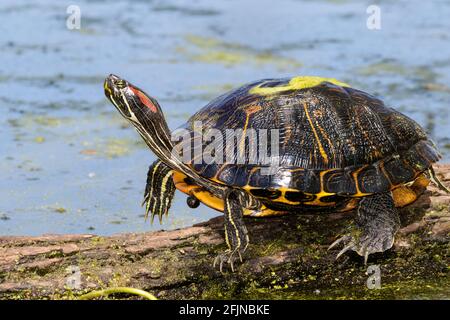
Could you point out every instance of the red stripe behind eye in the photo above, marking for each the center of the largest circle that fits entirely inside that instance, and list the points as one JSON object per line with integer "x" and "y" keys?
{"x": 144, "y": 99}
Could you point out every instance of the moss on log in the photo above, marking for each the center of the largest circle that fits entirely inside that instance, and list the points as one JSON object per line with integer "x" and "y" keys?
{"x": 287, "y": 258}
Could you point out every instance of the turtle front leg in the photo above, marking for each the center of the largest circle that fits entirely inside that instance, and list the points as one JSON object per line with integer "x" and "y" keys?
{"x": 377, "y": 222}
{"x": 159, "y": 190}
{"x": 236, "y": 234}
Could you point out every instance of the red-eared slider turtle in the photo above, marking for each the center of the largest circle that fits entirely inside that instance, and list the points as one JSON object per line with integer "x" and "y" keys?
{"x": 338, "y": 148}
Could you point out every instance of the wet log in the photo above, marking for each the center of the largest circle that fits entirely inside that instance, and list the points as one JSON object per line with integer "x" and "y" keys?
{"x": 287, "y": 258}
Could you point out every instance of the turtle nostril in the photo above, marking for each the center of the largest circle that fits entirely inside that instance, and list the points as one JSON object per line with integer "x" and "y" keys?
{"x": 113, "y": 77}
{"x": 116, "y": 81}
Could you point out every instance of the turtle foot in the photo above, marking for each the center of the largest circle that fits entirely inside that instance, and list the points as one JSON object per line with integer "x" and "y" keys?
{"x": 377, "y": 221}
{"x": 228, "y": 257}
{"x": 364, "y": 244}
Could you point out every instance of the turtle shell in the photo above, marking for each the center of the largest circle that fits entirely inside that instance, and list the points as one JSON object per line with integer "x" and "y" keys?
{"x": 334, "y": 142}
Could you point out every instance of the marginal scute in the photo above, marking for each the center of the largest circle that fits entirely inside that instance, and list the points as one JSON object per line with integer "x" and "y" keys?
{"x": 257, "y": 179}
{"x": 305, "y": 180}
{"x": 298, "y": 196}
{"x": 333, "y": 198}
{"x": 404, "y": 195}
{"x": 398, "y": 171}
{"x": 210, "y": 170}
{"x": 235, "y": 175}
{"x": 265, "y": 193}
{"x": 371, "y": 180}
{"x": 339, "y": 181}
{"x": 422, "y": 155}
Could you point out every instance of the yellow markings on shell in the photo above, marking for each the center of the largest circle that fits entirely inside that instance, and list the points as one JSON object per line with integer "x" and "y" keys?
{"x": 409, "y": 192}
{"x": 197, "y": 191}
{"x": 355, "y": 179}
{"x": 403, "y": 196}
{"x": 249, "y": 111}
{"x": 316, "y": 136}
{"x": 296, "y": 83}
{"x": 214, "y": 202}
{"x": 324, "y": 134}
{"x": 242, "y": 144}
{"x": 263, "y": 211}
{"x": 322, "y": 193}
{"x": 208, "y": 199}
{"x": 351, "y": 204}
{"x": 180, "y": 184}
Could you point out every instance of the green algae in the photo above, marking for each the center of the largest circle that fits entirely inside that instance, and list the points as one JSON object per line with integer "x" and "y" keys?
{"x": 111, "y": 148}
{"x": 211, "y": 50}
{"x": 391, "y": 67}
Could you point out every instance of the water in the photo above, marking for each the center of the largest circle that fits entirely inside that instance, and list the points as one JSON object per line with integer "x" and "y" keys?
{"x": 70, "y": 164}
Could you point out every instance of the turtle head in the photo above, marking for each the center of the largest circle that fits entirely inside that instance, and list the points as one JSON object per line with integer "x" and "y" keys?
{"x": 133, "y": 103}
{"x": 141, "y": 110}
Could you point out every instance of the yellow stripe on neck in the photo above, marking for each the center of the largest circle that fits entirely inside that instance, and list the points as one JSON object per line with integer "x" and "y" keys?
{"x": 296, "y": 83}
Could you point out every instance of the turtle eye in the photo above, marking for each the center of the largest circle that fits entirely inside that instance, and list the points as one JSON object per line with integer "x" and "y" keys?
{"x": 121, "y": 84}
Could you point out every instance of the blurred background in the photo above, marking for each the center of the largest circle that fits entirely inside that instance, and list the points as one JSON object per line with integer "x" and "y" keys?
{"x": 69, "y": 163}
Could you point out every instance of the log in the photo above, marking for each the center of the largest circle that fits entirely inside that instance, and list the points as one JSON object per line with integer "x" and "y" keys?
{"x": 287, "y": 258}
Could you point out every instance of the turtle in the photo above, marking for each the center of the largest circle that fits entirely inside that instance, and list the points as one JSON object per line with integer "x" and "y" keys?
{"x": 333, "y": 148}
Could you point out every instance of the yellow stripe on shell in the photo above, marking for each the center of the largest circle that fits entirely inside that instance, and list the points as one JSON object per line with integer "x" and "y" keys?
{"x": 316, "y": 136}
{"x": 296, "y": 83}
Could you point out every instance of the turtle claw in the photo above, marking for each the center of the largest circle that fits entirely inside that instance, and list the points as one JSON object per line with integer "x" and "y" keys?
{"x": 377, "y": 221}
{"x": 341, "y": 239}
{"x": 154, "y": 208}
{"x": 227, "y": 257}
{"x": 349, "y": 246}
{"x": 366, "y": 257}
{"x": 365, "y": 244}
{"x": 220, "y": 260}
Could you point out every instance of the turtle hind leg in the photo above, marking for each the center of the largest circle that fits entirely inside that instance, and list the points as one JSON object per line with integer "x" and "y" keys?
{"x": 377, "y": 222}
{"x": 159, "y": 190}
{"x": 432, "y": 175}
{"x": 236, "y": 234}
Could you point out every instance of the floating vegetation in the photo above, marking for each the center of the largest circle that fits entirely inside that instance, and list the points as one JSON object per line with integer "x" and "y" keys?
{"x": 390, "y": 67}
{"x": 39, "y": 139}
{"x": 210, "y": 50}
{"x": 32, "y": 120}
{"x": 60, "y": 210}
{"x": 186, "y": 10}
{"x": 116, "y": 222}
{"x": 436, "y": 87}
{"x": 54, "y": 208}
{"x": 111, "y": 147}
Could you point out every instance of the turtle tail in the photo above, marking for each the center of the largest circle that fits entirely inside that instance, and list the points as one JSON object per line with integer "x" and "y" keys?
{"x": 435, "y": 180}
